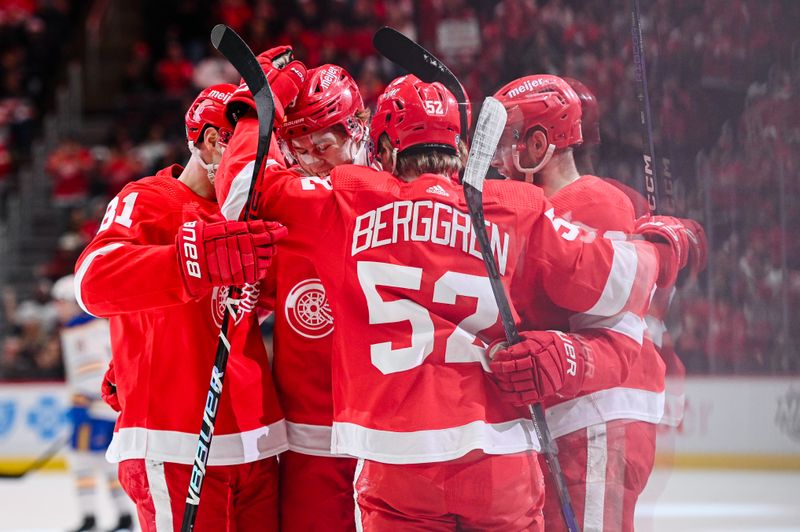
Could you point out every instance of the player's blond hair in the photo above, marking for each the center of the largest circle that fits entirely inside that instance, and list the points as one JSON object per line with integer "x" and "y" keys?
{"x": 412, "y": 163}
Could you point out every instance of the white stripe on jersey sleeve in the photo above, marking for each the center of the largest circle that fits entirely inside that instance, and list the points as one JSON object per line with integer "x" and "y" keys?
{"x": 619, "y": 284}
{"x": 240, "y": 188}
{"x": 656, "y": 328}
{"x": 626, "y": 323}
{"x": 604, "y": 406}
{"x": 84, "y": 267}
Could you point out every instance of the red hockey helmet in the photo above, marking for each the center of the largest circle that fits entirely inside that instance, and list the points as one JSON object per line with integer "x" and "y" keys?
{"x": 546, "y": 102}
{"x": 590, "y": 112}
{"x": 414, "y": 113}
{"x": 329, "y": 97}
{"x": 208, "y": 109}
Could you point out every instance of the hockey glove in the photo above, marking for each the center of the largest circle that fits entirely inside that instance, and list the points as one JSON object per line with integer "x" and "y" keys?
{"x": 669, "y": 236}
{"x": 225, "y": 253}
{"x": 286, "y": 77}
{"x": 544, "y": 365}
{"x": 108, "y": 390}
{"x": 698, "y": 246}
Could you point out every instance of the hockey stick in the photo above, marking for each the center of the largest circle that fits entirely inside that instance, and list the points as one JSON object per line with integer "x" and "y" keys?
{"x": 41, "y": 460}
{"x": 404, "y": 52}
{"x": 489, "y": 128}
{"x": 242, "y": 58}
{"x": 651, "y": 178}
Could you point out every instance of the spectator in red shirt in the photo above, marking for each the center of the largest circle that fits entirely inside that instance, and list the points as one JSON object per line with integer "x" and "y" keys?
{"x": 121, "y": 168}
{"x": 174, "y": 72}
{"x": 235, "y": 13}
{"x": 69, "y": 166}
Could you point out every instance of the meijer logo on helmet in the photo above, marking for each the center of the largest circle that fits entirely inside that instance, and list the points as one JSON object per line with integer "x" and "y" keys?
{"x": 329, "y": 77}
{"x": 219, "y": 95}
{"x": 527, "y": 85}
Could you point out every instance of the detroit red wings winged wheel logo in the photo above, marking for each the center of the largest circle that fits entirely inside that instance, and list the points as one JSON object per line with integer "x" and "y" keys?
{"x": 245, "y": 304}
{"x": 307, "y": 309}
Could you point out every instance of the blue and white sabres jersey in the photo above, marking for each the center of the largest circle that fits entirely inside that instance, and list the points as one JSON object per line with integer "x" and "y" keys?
{"x": 86, "y": 347}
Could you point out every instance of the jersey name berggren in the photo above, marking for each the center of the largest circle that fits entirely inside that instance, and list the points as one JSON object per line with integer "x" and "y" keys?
{"x": 425, "y": 221}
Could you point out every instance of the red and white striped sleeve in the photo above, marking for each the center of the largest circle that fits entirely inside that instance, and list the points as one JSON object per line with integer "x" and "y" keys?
{"x": 131, "y": 264}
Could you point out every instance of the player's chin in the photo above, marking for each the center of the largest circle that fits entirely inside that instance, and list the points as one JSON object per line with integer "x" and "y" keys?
{"x": 323, "y": 171}
{"x": 506, "y": 173}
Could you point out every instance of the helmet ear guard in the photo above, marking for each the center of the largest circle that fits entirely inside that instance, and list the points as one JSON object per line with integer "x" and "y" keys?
{"x": 520, "y": 144}
{"x": 208, "y": 110}
{"x": 529, "y": 172}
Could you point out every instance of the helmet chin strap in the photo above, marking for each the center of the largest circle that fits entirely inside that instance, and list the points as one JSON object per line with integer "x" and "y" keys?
{"x": 528, "y": 172}
{"x": 361, "y": 154}
{"x": 394, "y": 161}
{"x": 211, "y": 168}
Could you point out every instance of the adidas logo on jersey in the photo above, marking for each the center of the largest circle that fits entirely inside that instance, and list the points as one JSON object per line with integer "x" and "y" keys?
{"x": 438, "y": 190}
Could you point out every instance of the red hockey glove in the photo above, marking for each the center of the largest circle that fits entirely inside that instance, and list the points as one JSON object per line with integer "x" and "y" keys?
{"x": 225, "y": 253}
{"x": 669, "y": 235}
{"x": 698, "y": 246}
{"x": 108, "y": 390}
{"x": 544, "y": 365}
{"x": 286, "y": 78}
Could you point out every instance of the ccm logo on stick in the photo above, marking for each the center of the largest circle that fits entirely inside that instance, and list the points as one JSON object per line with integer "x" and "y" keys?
{"x": 189, "y": 237}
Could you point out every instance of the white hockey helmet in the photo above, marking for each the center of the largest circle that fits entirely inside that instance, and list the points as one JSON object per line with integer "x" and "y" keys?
{"x": 64, "y": 289}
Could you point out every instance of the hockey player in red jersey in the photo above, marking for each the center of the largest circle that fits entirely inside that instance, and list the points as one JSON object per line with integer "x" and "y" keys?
{"x": 327, "y": 125}
{"x": 159, "y": 268}
{"x": 414, "y": 311}
{"x": 586, "y": 153}
{"x": 605, "y": 428}
{"x": 656, "y": 328}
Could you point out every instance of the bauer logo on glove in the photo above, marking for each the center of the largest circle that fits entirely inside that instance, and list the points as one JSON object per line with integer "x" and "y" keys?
{"x": 225, "y": 253}
{"x": 189, "y": 237}
{"x": 544, "y": 365}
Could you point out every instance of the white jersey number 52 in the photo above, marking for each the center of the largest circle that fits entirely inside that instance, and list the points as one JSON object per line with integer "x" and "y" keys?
{"x": 460, "y": 346}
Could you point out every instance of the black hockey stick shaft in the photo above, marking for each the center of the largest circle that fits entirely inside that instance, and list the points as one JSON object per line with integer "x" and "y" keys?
{"x": 242, "y": 58}
{"x": 487, "y": 134}
{"x": 651, "y": 178}
{"x": 41, "y": 461}
{"x": 413, "y": 57}
{"x": 474, "y": 199}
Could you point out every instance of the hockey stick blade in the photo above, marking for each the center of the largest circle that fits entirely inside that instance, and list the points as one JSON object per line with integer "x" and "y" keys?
{"x": 414, "y": 58}
{"x": 236, "y": 51}
{"x": 242, "y": 58}
{"x": 489, "y": 129}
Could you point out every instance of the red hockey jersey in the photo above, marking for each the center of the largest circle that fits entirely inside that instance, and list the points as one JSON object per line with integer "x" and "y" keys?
{"x": 164, "y": 343}
{"x": 626, "y": 380}
{"x": 414, "y": 308}
{"x": 657, "y": 332}
{"x": 302, "y": 345}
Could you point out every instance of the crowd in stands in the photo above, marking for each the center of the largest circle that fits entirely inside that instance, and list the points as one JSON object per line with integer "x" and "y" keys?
{"x": 31, "y": 36}
{"x": 724, "y": 84}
